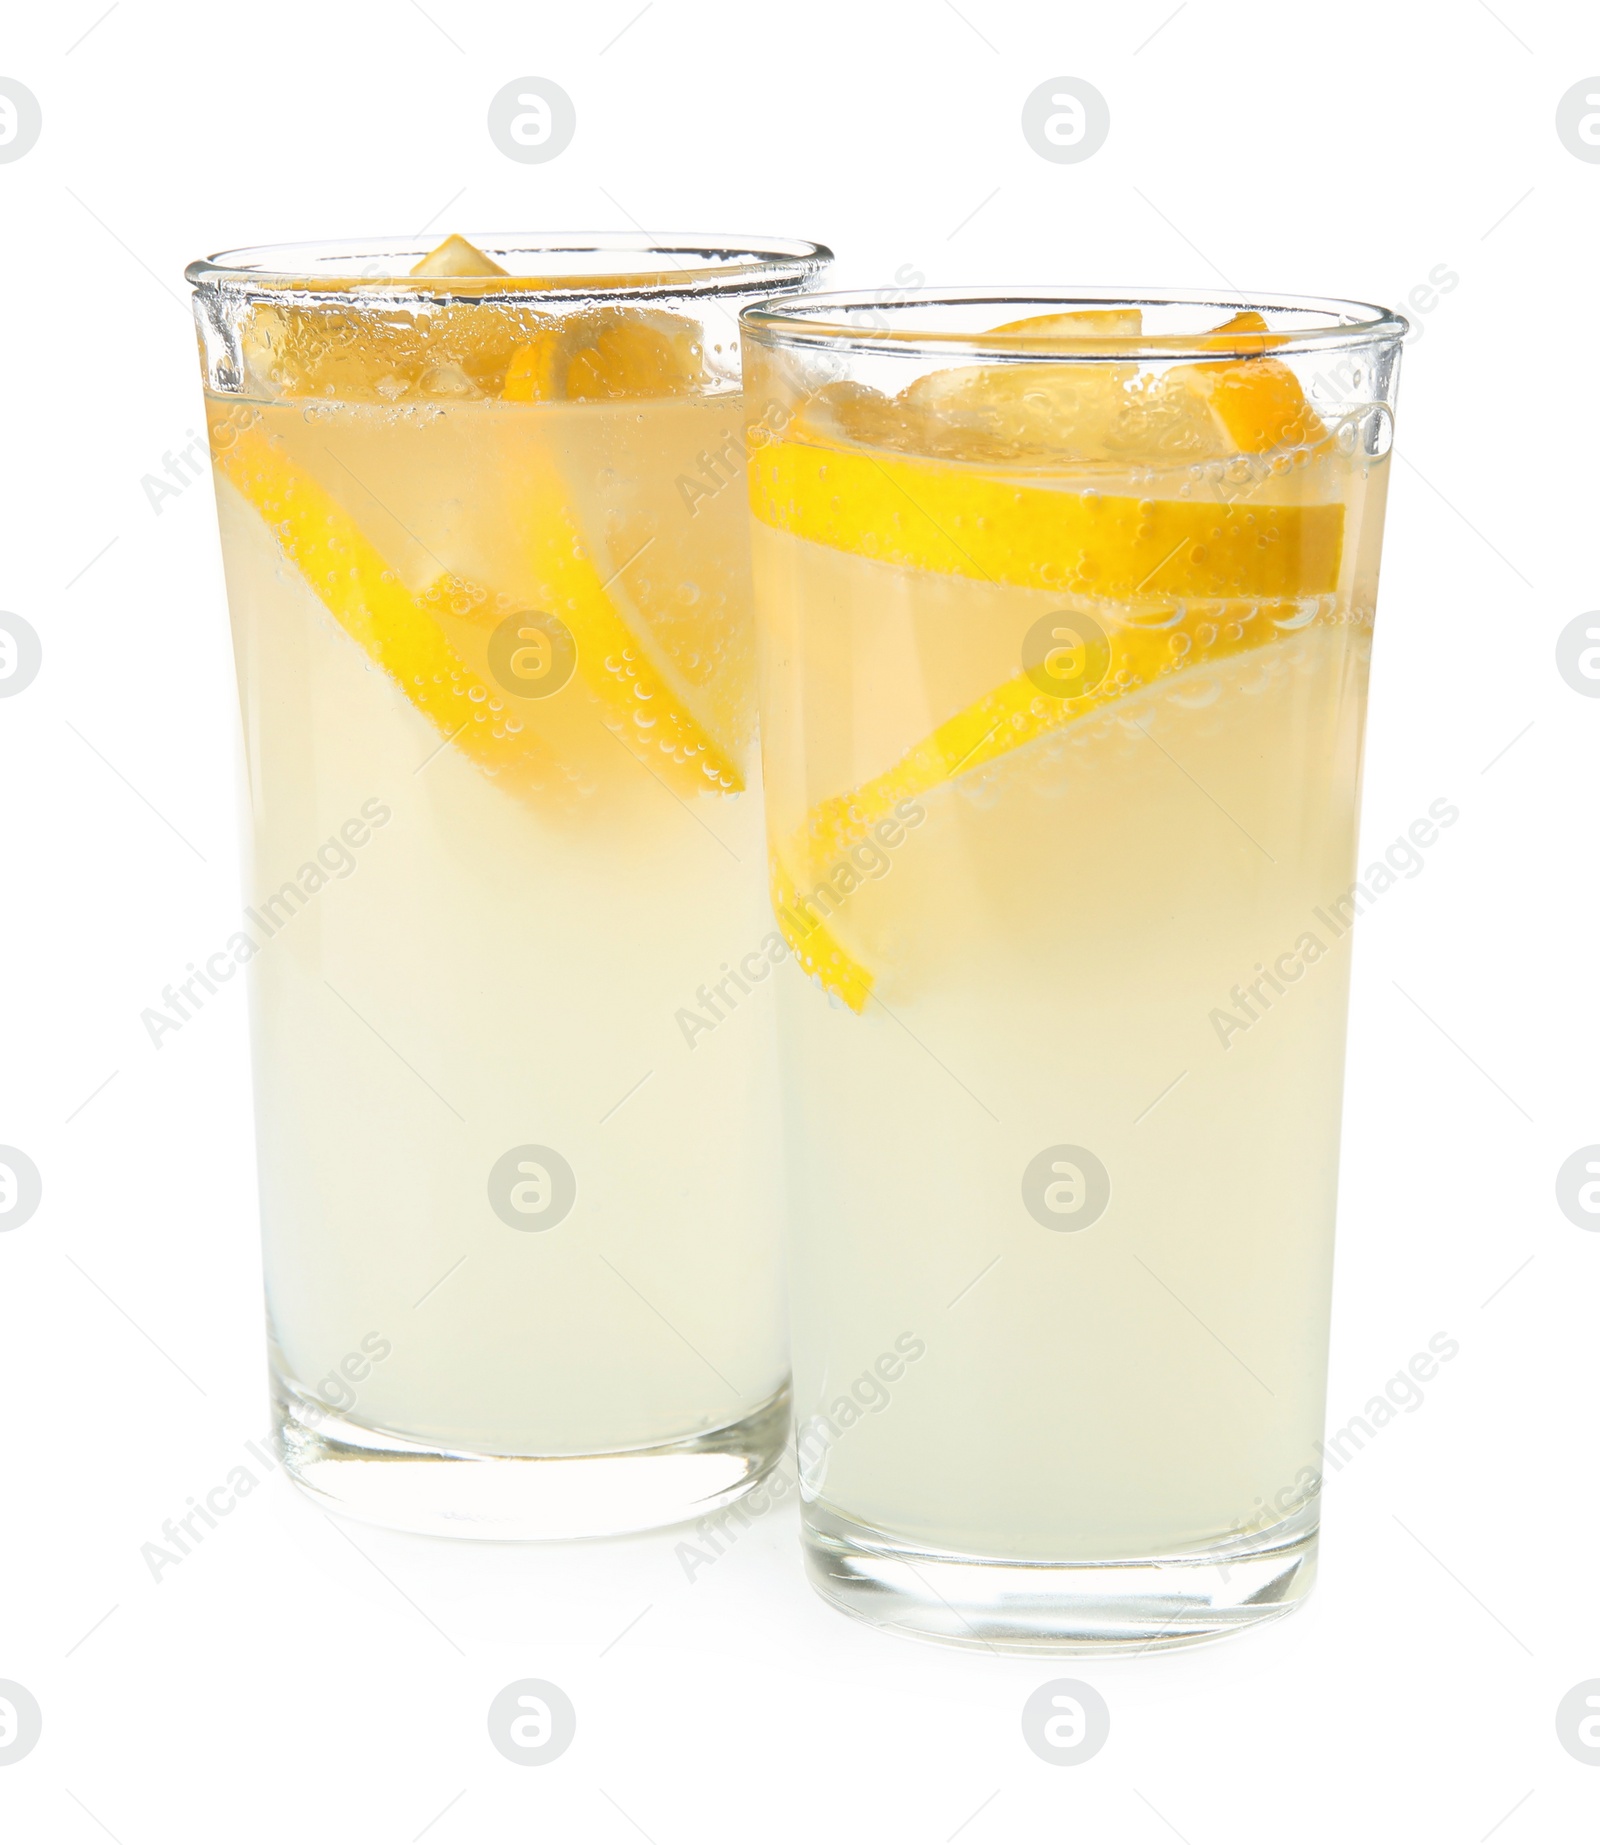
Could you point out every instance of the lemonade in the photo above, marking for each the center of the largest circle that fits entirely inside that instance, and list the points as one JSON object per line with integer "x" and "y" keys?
{"x": 1065, "y": 663}
{"x": 497, "y": 674}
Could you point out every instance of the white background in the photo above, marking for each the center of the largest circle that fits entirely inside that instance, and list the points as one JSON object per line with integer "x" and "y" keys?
{"x": 296, "y": 1677}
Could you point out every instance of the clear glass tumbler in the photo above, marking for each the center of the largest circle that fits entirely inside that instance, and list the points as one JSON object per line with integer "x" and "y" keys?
{"x": 485, "y": 543}
{"x": 1065, "y": 606}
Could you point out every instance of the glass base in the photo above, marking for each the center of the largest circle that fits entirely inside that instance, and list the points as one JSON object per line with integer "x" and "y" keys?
{"x": 408, "y": 1485}
{"x": 1129, "y": 1605}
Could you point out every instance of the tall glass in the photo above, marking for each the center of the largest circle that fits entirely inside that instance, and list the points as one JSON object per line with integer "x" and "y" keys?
{"x": 487, "y": 565}
{"x": 1065, "y": 606}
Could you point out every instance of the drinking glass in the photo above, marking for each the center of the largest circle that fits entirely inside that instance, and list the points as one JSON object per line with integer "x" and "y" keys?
{"x": 1065, "y": 606}
{"x": 485, "y": 544}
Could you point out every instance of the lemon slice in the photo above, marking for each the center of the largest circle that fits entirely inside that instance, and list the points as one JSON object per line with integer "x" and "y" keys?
{"x": 949, "y": 517}
{"x": 610, "y": 353}
{"x": 1096, "y": 324}
{"x": 635, "y": 700}
{"x": 956, "y": 512}
{"x": 1240, "y": 331}
{"x": 1257, "y": 402}
{"x": 1014, "y": 714}
{"x": 398, "y": 629}
{"x": 815, "y": 946}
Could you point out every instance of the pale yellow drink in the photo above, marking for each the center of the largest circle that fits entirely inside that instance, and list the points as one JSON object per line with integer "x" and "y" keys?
{"x": 555, "y": 840}
{"x": 1092, "y": 918}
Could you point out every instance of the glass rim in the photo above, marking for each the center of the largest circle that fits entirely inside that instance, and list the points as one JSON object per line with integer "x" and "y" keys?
{"x": 820, "y": 322}
{"x": 696, "y": 263}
